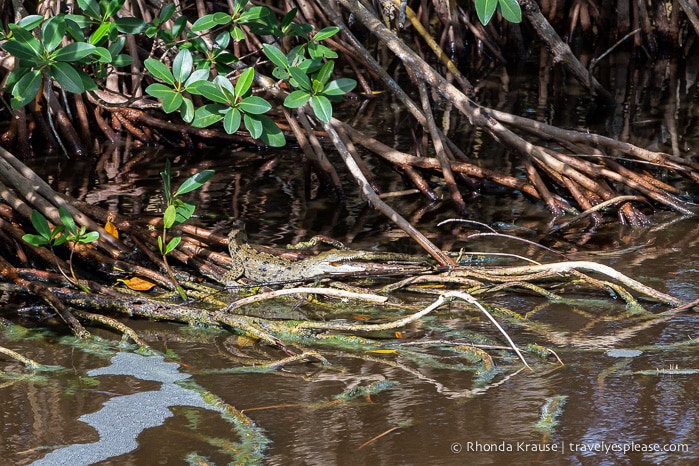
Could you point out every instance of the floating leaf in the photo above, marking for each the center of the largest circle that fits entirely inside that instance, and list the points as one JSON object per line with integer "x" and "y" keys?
{"x": 384, "y": 351}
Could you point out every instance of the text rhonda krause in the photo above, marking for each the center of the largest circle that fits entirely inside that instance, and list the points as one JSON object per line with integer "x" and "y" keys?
{"x": 561, "y": 447}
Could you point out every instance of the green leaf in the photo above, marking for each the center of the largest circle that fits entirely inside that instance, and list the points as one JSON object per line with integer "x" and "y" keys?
{"x": 36, "y": 240}
{"x": 167, "y": 12}
{"x": 317, "y": 87}
{"x": 255, "y": 105}
{"x": 187, "y": 110}
{"x": 26, "y": 38}
{"x": 211, "y": 21}
{"x": 74, "y": 52}
{"x": 88, "y": 83}
{"x": 237, "y": 34}
{"x": 238, "y": 5}
{"x": 52, "y": 32}
{"x": 340, "y": 86}
{"x": 174, "y": 242}
{"x": 302, "y": 30}
{"x": 182, "y": 65}
{"x": 73, "y": 28}
{"x": 242, "y": 86}
{"x": 255, "y": 14}
{"x": 271, "y": 134}
{"x": 195, "y": 181}
{"x": 485, "y": 10}
{"x": 159, "y": 91}
{"x": 159, "y": 70}
{"x": 58, "y": 238}
{"x": 122, "y": 60}
{"x": 67, "y": 220}
{"x": 25, "y": 90}
{"x": 300, "y": 78}
{"x": 91, "y": 8}
{"x": 253, "y": 125}
{"x": 309, "y": 66}
{"x": 197, "y": 76}
{"x": 326, "y": 33}
{"x": 226, "y": 87}
{"x": 319, "y": 51}
{"x": 117, "y": 46}
{"x": 130, "y": 25}
{"x": 222, "y": 40}
{"x": 208, "y": 115}
{"x": 29, "y": 22}
{"x": 231, "y": 120}
{"x": 297, "y": 99}
{"x": 169, "y": 216}
{"x": 105, "y": 30}
{"x": 110, "y": 7}
{"x": 179, "y": 26}
{"x": 199, "y": 87}
{"x": 185, "y": 210}
{"x": 67, "y": 77}
{"x": 172, "y": 102}
{"x": 41, "y": 225}
{"x": 275, "y": 56}
{"x": 288, "y": 19}
{"x": 81, "y": 21}
{"x": 322, "y": 108}
{"x": 103, "y": 55}
{"x": 326, "y": 72}
{"x": 23, "y": 51}
{"x": 90, "y": 237}
{"x": 510, "y": 10}
{"x": 208, "y": 90}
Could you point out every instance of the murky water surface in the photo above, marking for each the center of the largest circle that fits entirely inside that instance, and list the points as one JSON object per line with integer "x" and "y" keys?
{"x": 599, "y": 408}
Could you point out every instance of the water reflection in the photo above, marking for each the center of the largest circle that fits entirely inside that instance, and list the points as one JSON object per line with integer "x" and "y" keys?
{"x": 431, "y": 409}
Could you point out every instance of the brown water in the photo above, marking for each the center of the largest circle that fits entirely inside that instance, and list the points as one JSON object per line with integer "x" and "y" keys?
{"x": 434, "y": 415}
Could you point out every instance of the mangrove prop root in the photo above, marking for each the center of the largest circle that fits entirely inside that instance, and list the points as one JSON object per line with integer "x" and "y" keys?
{"x": 307, "y": 290}
{"x": 112, "y": 323}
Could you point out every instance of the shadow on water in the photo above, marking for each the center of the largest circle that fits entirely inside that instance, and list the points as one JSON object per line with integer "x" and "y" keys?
{"x": 596, "y": 409}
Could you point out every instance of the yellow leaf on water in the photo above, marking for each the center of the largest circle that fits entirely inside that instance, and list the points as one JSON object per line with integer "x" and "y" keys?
{"x": 138, "y": 284}
{"x": 383, "y": 351}
{"x": 110, "y": 228}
